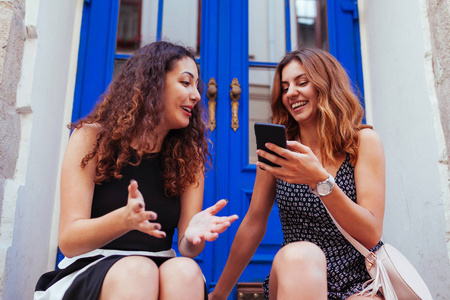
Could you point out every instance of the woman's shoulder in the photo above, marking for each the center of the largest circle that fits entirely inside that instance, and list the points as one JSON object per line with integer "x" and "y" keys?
{"x": 368, "y": 135}
{"x": 86, "y": 135}
{"x": 370, "y": 143}
{"x": 87, "y": 131}
{"x": 82, "y": 142}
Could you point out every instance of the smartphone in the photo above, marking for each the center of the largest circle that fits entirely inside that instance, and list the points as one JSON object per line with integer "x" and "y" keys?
{"x": 269, "y": 133}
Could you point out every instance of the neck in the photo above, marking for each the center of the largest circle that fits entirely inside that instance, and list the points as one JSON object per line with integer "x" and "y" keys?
{"x": 154, "y": 142}
{"x": 309, "y": 137}
{"x": 161, "y": 134}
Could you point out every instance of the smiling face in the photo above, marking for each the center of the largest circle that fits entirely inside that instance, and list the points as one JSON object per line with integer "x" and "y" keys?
{"x": 299, "y": 95}
{"x": 180, "y": 94}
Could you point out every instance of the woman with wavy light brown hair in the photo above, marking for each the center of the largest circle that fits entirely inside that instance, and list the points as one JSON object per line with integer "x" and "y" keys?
{"x": 332, "y": 161}
{"x": 148, "y": 128}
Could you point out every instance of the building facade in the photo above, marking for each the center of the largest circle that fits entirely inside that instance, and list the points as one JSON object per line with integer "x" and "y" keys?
{"x": 405, "y": 60}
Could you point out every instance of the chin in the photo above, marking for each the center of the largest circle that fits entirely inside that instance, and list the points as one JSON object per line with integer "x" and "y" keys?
{"x": 183, "y": 125}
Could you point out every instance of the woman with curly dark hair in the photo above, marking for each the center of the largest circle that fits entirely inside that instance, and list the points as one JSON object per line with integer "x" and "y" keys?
{"x": 116, "y": 237}
{"x": 332, "y": 162}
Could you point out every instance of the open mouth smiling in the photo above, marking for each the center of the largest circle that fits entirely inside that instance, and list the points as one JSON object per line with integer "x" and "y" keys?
{"x": 187, "y": 109}
{"x": 298, "y": 104}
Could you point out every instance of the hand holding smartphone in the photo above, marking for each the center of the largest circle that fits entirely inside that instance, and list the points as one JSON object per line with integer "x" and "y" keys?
{"x": 269, "y": 133}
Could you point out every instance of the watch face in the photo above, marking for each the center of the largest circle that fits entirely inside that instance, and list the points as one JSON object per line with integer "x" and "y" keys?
{"x": 324, "y": 188}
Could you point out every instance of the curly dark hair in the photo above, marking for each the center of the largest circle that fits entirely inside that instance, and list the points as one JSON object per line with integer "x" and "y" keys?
{"x": 131, "y": 110}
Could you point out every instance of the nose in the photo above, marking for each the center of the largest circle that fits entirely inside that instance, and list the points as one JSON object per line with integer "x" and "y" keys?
{"x": 291, "y": 91}
{"x": 195, "y": 95}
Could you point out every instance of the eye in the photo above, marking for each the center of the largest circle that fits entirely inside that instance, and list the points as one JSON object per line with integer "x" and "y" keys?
{"x": 284, "y": 90}
{"x": 303, "y": 83}
{"x": 185, "y": 83}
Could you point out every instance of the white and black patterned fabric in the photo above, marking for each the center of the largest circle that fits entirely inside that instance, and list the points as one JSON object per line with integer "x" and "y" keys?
{"x": 304, "y": 218}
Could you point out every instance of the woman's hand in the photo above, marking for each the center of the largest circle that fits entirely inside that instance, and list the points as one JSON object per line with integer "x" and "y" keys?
{"x": 205, "y": 225}
{"x": 298, "y": 165}
{"x": 137, "y": 217}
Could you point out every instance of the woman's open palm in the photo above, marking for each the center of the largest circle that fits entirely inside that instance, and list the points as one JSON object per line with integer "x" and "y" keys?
{"x": 205, "y": 225}
{"x": 137, "y": 217}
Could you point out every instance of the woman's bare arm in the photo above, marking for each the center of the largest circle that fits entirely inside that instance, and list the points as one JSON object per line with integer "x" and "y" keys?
{"x": 249, "y": 235}
{"x": 78, "y": 233}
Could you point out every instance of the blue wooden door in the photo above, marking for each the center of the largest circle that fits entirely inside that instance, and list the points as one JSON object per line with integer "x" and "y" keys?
{"x": 238, "y": 43}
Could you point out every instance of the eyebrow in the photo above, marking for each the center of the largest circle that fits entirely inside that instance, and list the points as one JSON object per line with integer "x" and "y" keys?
{"x": 296, "y": 78}
{"x": 189, "y": 73}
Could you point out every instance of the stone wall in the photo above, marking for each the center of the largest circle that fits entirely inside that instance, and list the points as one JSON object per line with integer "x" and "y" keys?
{"x": 12, "y": 37}
{"x": 439, "y": 19}
{"x": 41, "y": 103}
{"x": 438, "y": 15}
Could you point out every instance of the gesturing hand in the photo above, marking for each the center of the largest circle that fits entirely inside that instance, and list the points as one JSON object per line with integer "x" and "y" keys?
{"x": 137, "y": 217}
{"x": 205, "y": 225}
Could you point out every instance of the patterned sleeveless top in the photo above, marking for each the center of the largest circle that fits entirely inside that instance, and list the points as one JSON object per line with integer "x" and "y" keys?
{"x": 304, "y": 218}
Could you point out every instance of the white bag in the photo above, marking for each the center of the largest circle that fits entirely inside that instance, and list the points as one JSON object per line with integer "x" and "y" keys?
{"x": 392, "y": 274}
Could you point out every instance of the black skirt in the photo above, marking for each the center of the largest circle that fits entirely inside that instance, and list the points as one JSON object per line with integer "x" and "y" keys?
{"x": 82, "y": 279}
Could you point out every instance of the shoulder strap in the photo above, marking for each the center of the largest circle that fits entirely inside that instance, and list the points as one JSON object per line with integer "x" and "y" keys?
{"x": 380, "y": 279}
{"x": 363, "y": 250}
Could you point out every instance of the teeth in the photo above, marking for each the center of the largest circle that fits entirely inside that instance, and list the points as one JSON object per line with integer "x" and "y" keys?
{"x": 188, "y": 109}
{"x": 298, "y": 104}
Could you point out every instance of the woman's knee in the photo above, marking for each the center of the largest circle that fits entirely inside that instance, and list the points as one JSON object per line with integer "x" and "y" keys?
{"x": 131, "y": 269}
{"x": 182, "y": 268}
{"x": 132, "y": 277}
{"x": 299, "y": 258}
{"x": 136, "y": 266}
{"x": 181, "y": 278}
{"x": 301, "y": 254}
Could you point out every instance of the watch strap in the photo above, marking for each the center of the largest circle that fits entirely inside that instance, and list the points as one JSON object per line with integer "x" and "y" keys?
{"x": 330, "y": 181}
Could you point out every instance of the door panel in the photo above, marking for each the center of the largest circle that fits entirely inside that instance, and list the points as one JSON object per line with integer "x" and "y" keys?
{"x": 344, "y": 39}
{"x": 233, "y": 39}
{"x": 96, "y": 54}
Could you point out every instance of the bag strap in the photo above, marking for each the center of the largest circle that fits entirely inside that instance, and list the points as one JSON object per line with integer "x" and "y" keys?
{"x": 363, "y": 250}
{"x": 381, "y": 278}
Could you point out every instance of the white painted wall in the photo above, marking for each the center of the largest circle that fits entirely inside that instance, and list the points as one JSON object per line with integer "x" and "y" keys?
{"x": 400, "y": 107}
{"x": 44, "y": 98}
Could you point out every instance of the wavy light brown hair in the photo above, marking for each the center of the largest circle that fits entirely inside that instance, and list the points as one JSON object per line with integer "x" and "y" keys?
{"x": 339, "y": 110}
{"x": 131, "y": 110}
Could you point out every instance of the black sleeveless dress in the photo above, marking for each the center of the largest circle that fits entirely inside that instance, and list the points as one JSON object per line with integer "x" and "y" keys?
{"x": 91, "y": 270}
{"x": 113, "y": 194}
{"x": 304, "y": 218}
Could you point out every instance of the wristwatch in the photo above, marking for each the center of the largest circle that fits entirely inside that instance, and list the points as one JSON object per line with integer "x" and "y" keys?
{"x": 325, "y": 187}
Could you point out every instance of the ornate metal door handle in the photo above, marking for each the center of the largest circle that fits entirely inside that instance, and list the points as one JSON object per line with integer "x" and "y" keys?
{"x": 211, "y": 94}
{"x": 235, "y": 94}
